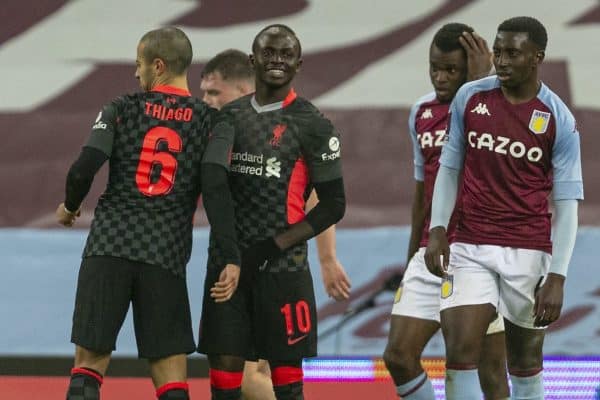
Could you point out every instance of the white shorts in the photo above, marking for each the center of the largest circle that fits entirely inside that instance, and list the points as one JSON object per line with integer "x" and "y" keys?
{"x": 419, "y": 294}
{"x": 505, "y": 277}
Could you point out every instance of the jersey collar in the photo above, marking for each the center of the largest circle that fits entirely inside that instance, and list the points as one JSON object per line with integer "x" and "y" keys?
{"x": 289, "y": 99}
{"x": 166, "y": 89}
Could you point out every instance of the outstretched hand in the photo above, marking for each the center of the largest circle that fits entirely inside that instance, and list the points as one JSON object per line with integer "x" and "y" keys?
{"x": 228, "y": 281}
{"x": 66, "y": 217}
{"x": 549, "y": 300}
{"x": 479, "y": 56}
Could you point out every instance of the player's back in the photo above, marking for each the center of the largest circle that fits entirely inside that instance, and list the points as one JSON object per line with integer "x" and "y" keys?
{"x": 146, "y": 211}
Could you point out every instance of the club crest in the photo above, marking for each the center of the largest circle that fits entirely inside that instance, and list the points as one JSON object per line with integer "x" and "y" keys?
{"x": 539, "y": 122}
{"x": 447, "y": 286}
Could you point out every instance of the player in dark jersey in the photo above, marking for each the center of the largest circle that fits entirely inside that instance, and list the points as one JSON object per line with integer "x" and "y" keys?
{"x": 280, "y": 146}
{"x": 515, "y": 142}
{"x": 457, "y": 54}
{"x": 141, "y": 236}
{"x": 226, "y": 77}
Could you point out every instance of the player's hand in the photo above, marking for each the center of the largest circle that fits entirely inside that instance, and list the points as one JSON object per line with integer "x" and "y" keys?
{"x": 549, "y": 300}
{"x": 437, "y": 254}
{"x": 228, "y": 281}
{"x": 479, "y": 56}
{"x": 255, "y": 257}
{"x": 335, "y": 280}
{"x": 65, "y": 217}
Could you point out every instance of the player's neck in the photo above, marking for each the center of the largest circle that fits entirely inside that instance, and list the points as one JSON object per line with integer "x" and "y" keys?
{"x": 179, "y": 82}
{"x": 268, "y": 95}
{"x": 522, "y": 93}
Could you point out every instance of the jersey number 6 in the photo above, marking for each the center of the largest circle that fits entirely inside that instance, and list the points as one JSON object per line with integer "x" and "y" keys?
{"x": 150, "y": 158}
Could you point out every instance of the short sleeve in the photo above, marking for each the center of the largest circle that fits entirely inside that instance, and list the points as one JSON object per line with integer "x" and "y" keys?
{"x": 419, "y": 162}
{"x": 220, "y": 139}
{"x": 104, "y": 128}
{"x": 322, "y": 150}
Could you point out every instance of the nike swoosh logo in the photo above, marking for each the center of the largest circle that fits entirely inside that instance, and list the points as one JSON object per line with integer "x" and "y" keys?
{"x": 293, "y": 341}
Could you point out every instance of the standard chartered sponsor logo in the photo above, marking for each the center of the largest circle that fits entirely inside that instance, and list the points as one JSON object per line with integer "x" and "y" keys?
{"x": 252, "y": 164}
{"x": 504, "y": 145}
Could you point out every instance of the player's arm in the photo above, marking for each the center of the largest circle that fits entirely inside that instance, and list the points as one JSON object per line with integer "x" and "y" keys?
{"x": 336, "y": 281}
{"x": 82, "y": 172}
{"x": 567, "y": 191}
{"x": 219, "y": 206}
{"x": 418, "y": 210}
{"x": 446, "y": 187}
{"x": 479, "y": 56}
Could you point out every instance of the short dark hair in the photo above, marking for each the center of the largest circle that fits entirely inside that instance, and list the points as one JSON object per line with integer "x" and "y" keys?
{"x": 279, "y": 26}
{"x": 446, "y": 38}
{"x": 171, "y": 45}
{"x": 232, "y": 64}
{"x": 534, "y": 29}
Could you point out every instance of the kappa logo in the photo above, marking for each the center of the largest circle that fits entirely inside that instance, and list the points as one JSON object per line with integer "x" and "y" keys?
{"x": 538, "y": 123}
{"x": 427, "y": 114}
{"x": 293, "y": 341}
{"x": 481, "y": 109}
{"x": 278, "y": 131}
{"x": 273, "y": 168}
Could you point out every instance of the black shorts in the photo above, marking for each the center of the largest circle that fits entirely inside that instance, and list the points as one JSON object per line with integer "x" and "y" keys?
{"x": 274, "y": 318}
{"x": 161, "y": 309}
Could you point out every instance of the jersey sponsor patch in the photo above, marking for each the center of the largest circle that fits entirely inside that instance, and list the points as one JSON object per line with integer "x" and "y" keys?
{"x": 539, "y": 122}
{"x": 447, "y": 286}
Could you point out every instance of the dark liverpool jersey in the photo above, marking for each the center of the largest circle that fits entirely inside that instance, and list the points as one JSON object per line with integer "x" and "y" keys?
{"x": 155, "y": 142}
{"x": 278, "y": 151}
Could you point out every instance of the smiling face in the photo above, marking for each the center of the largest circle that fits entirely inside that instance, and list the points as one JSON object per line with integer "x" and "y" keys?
{"x": 516, "y": 58}
{"x": 276, "y": 58}
{"x": 447, "y": 71}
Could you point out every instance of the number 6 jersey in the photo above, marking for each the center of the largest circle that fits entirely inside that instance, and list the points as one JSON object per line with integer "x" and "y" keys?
{"x": 154, "y": 141}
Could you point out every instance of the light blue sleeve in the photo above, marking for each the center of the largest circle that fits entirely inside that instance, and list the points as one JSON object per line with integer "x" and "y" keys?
{"x": 566, "y": 157}
{"x": 419, "y": 162}
{"x": 453, "y": 152}
{"x": 445, "y": 192}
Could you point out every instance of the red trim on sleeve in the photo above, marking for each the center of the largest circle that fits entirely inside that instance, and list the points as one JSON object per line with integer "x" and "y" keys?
{"x": 296, "y": 189}
{"x": 414, "y": 389}
{"x": 171, "y": 90}
{"x": 285, "y": 375}
{"x": 289, "y": 99}
{"x": 85, "y": 371}
{"x": 224, "y": 379}
{"x": 172, "y": 386}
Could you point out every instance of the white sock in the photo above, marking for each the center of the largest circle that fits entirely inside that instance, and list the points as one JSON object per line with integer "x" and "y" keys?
{"x": 528, "y": 387}
{"x": 419, "y": 388}
{"x": 462, "y": 384}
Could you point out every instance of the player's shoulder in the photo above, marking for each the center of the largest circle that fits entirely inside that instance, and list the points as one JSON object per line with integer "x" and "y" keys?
{"x": 469, "y": 89}
{"x": 237, "y": 105}
{"x": 306, "y": 111}
{"x": 426, "y": 99}
{"x": 557, "y": 106}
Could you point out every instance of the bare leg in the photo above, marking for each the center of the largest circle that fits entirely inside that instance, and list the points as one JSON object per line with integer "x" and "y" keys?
{"x": 168, "y": 369}
{"x": 256, "y": 384}
{"x": 492, "y": 367}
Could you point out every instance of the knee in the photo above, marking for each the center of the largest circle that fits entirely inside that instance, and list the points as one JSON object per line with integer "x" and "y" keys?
{"x": 462, "y": 351}
{"x": 529, "y": 359}
{"x": 401, "y": 361}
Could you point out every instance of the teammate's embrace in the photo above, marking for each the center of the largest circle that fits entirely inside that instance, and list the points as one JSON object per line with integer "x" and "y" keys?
{"x": 141, "y": 236}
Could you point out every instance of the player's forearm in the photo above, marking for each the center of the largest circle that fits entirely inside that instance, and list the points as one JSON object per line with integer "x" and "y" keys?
{"x": 564, "y": 233}
{"x": 417, "y": 220}
{"x": 81, "y": 175}
{"x": 326, "y": 245}
{"x": 444, "y": 197}
{"x": 219, "y": 207}
{"x": 328, "y": 211}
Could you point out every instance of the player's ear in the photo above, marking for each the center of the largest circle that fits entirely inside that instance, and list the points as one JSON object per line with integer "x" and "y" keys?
{"x": 299, "y": 64}
{"x": 159, "y": 66}
{"x": 251, "y": 59}
{"x": 539, "y": 56}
